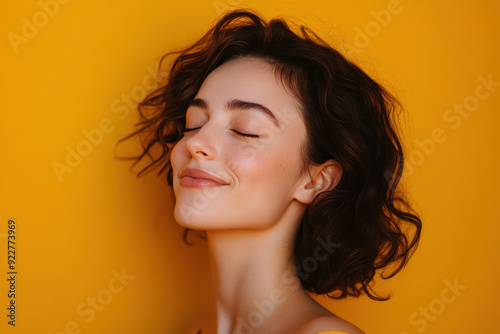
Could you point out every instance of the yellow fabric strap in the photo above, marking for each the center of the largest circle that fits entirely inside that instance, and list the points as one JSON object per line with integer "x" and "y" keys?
{"x": 332, "y": 332}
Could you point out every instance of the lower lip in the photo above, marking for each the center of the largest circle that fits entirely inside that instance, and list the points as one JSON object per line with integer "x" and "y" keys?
{"x": 199, "y": 183}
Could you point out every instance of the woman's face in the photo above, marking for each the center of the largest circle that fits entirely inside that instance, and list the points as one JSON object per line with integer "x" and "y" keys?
{"x": 259, "y": 173}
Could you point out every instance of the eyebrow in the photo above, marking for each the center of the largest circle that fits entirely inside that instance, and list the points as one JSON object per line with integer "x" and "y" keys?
{"x": 236, "y": 104}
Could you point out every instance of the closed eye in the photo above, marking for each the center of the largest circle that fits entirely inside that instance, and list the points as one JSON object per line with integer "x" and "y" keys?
{"x": 246, "y": 134}
{"x": 239, "y": 133}
{"x": 187, "y": 129}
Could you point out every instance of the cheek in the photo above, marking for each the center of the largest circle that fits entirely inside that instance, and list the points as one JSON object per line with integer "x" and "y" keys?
{"x": 177, "y": 160}
{"x": 263, "y": 166}
{"x": 177, "y": 154}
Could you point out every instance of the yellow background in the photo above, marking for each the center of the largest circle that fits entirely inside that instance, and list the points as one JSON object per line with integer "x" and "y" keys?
{"x": 77, "y": 70}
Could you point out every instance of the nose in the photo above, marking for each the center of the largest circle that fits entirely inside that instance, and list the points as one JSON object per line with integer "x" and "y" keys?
{"x": 200, "y": 144}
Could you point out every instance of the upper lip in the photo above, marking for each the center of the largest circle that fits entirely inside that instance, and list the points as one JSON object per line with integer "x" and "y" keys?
{"x": 201, "y": 174}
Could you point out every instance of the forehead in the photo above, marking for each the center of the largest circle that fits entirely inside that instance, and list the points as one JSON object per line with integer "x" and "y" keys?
{"x": 250, "y": 79}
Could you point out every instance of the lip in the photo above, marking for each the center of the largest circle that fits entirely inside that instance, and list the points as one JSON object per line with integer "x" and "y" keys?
{"x": 193, "y": 177}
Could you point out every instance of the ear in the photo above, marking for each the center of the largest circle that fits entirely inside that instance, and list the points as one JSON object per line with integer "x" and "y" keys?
{"x": 317, "y": 179}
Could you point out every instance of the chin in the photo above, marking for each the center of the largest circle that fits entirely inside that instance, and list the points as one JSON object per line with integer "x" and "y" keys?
{"x": 194, "y": 219}
{"x": 188, "y": 219}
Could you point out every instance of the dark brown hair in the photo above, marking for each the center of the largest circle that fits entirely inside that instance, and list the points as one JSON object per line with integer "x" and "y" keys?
{"x": 349, "y": 117}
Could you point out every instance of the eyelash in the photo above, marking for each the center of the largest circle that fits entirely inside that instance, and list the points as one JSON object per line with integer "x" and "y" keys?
{"x": 240, "y": 133}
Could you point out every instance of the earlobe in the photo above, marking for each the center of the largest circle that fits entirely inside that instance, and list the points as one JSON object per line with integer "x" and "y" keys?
{"x": 320, "y": 178}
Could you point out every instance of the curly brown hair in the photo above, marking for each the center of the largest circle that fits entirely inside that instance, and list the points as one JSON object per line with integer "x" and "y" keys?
{"x": 349, "y": 117}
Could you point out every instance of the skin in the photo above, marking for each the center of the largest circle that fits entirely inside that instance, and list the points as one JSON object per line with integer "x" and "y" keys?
{"x": 251, "y": 222}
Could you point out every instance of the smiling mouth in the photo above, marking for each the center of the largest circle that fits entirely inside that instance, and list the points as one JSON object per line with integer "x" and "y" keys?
{"x": 193, "y": 182}
{"x": 199, "y": 178}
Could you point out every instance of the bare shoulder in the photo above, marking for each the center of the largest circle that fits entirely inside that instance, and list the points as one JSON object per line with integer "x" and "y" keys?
{"x": 328, "y": 323}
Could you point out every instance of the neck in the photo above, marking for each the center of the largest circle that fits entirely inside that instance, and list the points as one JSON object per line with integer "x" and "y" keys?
{"x": 253, "y": 273}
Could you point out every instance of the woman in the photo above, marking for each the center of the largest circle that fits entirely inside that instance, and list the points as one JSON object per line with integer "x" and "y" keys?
{"x": 287, "y": 156}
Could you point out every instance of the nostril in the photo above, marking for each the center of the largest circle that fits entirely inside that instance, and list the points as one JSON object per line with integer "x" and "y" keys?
{"x": 200, "y": 146}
